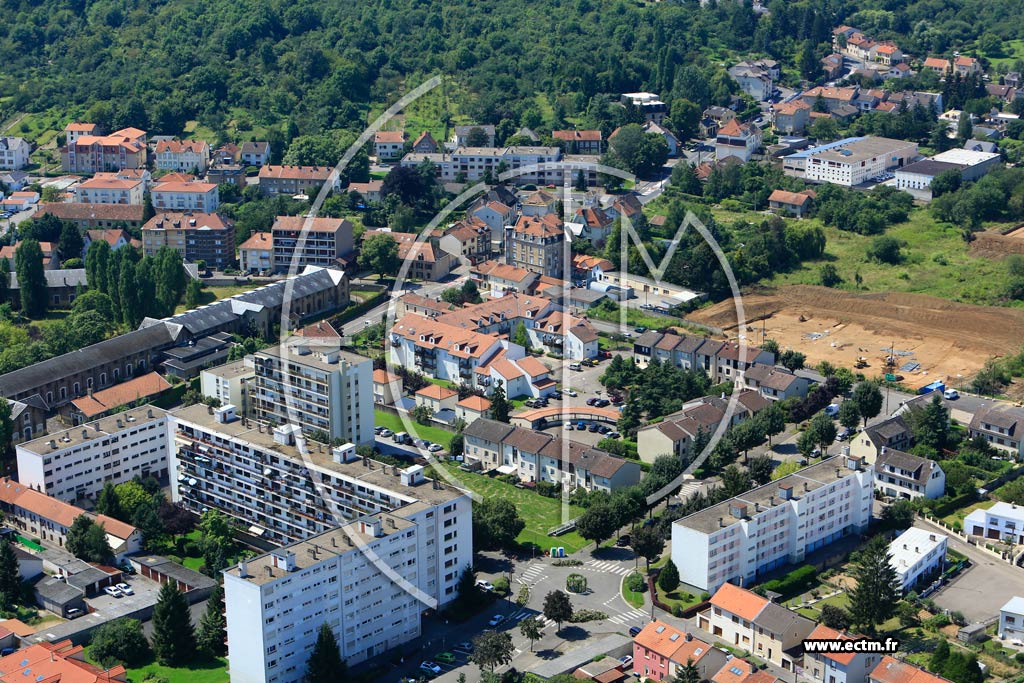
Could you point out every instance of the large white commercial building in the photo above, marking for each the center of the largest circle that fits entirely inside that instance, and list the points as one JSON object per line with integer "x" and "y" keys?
{"x": 852, "y": 161}
{"x": 741, "y": 539}
{"x": 318, "y": 388}
{"x": 971, "y": 165}
{"x": 74, "y": 464}
{"x": 916, "y": 554}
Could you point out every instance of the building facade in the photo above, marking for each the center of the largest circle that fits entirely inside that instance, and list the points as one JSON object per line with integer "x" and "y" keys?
{"x": 186, "y": 196}
{"x": 14, "y": 153}
{"x": 537, "y": 244}
{"x": 916, "y": 555}
{"x": 320, "y": 244}
{"x": 121, "y": 149}
{"x": 902, "y": 475}
{"x": 186, "y": 156}
{"x": 197, "y": 236}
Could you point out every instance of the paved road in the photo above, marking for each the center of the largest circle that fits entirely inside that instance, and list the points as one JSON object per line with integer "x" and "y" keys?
{"x": 428, "y": 289}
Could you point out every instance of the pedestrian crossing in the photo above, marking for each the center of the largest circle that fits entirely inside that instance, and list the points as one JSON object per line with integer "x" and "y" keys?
{"x": 608, "y": 567}
{"x": 532, "y": 574}
{"x": 523, "y": 613}
{"x": 630, "y": 618}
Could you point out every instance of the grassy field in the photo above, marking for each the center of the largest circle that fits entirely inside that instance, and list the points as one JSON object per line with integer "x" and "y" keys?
{"x": 959, "y": 515}
{"x": 395, "y": 424}
{"x": 201, "y": 672}
{"x": 539, "y": 513}
{"x": 1014, "y": 50}
{"x": 633, "y": 598}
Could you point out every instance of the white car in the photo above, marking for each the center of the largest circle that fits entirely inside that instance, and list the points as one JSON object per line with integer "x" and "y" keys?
{"x": 113, "y": 591}
{"x": 386, "y": 432}
{"x": 570, "y": 392}
{"x": 951, "y": 394}
{"x": 435, "y": 448}
{"x": 125, "y": 588}
{"x": 485, "y": 585}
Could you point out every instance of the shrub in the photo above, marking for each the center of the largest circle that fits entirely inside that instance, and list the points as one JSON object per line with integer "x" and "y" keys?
{"x": 567, "y": 563}
{"x": 524, "y": 596}
{"x": 635, "y": 582}
{"x": 793, "y": 583}
{"x": 583, "y": 615}
{"x": 501, "y": 585}
{"x": 677, "y": 611}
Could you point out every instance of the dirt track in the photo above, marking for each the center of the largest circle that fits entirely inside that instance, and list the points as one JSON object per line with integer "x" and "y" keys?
{"x": 947, "y": 339}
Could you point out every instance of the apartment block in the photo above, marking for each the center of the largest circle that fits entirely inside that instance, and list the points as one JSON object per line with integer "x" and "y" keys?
{"x": 196, "y": 235}
{"x": 444, "y": 351}
{"x": 186, "y": 196}
{"x": 474, "y": 163}
{"x": 230, "y": 383}
{"x": 916, "y": 555}
{"x": 421, "y": 260}
{"x": 91, "y": 153}
{"x": 292, "y": 180}
{"x": 537, "y": 244}
{"x": 14, "y": 153}
{"x": 74, "y": 464}
{"x": 320, "y": 243}
{"x": 316, "y": 386}
{"x": 186, "y": 156}
{"x": 743, "y": 538}
{"x": 256, "y": 254}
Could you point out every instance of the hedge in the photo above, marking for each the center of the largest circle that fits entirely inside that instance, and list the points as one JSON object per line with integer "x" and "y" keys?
{"x": 793, "y": 583}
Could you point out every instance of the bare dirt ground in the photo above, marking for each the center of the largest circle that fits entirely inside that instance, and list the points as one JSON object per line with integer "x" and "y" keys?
{"x": 996, "y": 243}
{"x": 948, "y": 340}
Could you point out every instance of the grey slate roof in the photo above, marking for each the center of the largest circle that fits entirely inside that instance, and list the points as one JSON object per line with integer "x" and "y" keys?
{"x": 905, "y": 461}
{"x": 66, "y": 277}
{"x": 488, "y": 430}
{"x": 58, "y": 592}
{"x": 779, "y": 620}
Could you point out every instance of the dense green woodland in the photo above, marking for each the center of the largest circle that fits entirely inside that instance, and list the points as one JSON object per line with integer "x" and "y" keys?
{"x": 305, "y": 67}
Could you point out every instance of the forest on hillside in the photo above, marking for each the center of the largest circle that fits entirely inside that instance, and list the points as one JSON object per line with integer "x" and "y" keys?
{"x": 307, "y": 66}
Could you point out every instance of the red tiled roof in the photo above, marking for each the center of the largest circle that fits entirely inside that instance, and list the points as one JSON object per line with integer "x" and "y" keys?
{"x": 660, "y": 638}
{"x": 318, "y": 224}
{"x": 786, "y": 197}
{"x": 381, "y": 376}
{"x": 259, "y": 240}
{"x": 121, "y": 394}
{"x": 389, "y": 136}
{"x": 110, "y": 236}
{"x": 476, "y": 403}
{"x": 571, "y": 135}
{"x": 436, "y": 392}
{"x": 891, "y": 670}
{"x": 320, "y": 173}
{"x": 738, "y": 601}
{"x": 181, "y": 146}
{"x": 59, "y": 662}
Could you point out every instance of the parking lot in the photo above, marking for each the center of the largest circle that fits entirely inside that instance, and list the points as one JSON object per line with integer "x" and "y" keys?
{"x": 145, "y": 594}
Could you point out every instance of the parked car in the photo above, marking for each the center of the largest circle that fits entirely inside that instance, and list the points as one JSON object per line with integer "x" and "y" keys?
{"x": 464, "y": 647}
{"x": 641, "y": 329}
{"x": 571, "y": 392}
{"x": 386, "y": 433}
{"x": 435, "y": 448}
{"x": 569, "y": 427}
{"x": 951, "y": 394}
{"x": 495, "y": 620}
{"x": 832, "y": 409}
{"x": 594, "y": 427}
{"x": 843, "y": 434}
{"x": 378, "y": 429}
{"x": 591, "y": 401}
{"x": 604, "y": 429}
{"x": 125, "y": 588}
{"x": 430, "y": 668}
{"x": 602, "y": 402}
{"x": 113, "y": 591}
{"x": 445, "y": 657}
{"x": 634, "y": 631}
{"x": 555, "y": 395}
{"x": 627, "y": 660}
{"x": 485, "y": 585}
{"x": 614, "y": 435}
{"x": 623, "y": 540}
{"x": 74, "y": 613}
{"x": 126, "y": 567}
{"x": 576, "y": 367}
{"x": 581, "y": 425}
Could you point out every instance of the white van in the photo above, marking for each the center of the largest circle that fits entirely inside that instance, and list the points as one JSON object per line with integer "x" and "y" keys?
{"x": 401, "y": 437}
{"x": 576, "y": 367}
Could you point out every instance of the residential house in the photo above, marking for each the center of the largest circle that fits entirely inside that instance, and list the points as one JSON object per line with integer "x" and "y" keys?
{"x": 254, "y": 153}
{"x": 539, "y": 204}
{"x": 14, "y": 180}
{"x": 587, "y": 269}
{"x": 888, "y": 53}
{"x": 125, "y": 148}
{"x": 444, "y": 351}
{"x": 185, "y": 196}
{"x": 661, "y": 650}
{"x": 891, "y": 433}
{"x": 387, "y": 387}
{"x": 197, "y": 236}
{"x": 964, "y": 66}
{"x": 832, "y": 66}
{"x": 900, "y": 70}
{"x": 938, "y": 65}
{"x": 370, "y": 191}
{"x": 116, "y": 238}
{"x": 1001, "y": 425}
{"x": 775, "y": 382}
{"x": 436, "y": 399}
{"x": 62, "y": 287}
{"x": 51, "y": 258}
{"x": 670, "y": 139}
{"x": 481, "y": 136}
{"x": 468, "y": 240}
{"x": 648, "y": 104}
{"x": 473, "y": 408}
{"x": 840, "y": 667}
{"x": 892, "y": 670}
{"x": 187, "y": 156}
{"x": 731, "y": 360}
{"x": 292, "y": 180}
{"x": 791, "y": 117}
{"x": 1002, "y": 521}
{"x": 1011, "y": 619}
{"x": 537, "y": 244}
{"x": 495, "y": 215}
{"x": 596, "y": 224}
{"x": 713, "y": 118}
{"x": 580, "y": 141}
{"x": 500, "y": 278}
{"x": 559, "y": 332}
{"x": 112, "y": 191}
{"x": 14, "y": 153}
{"x": 740, "y": 140}
{"x": 791, "y": 203}
{"x": 902, "y": 475}
{"x": 425, "y": 144}
{"x": 388, "y": 145}
{"x": 256, "y": 254}
{"x": 917, "y": 555}
{"x": 422, "y": 260}
{"x": 604, "y": 670}
{"x": 58, "y": 661}
{"x": 74, "y": 130}
{"x": 756, "y": 79}
{"x": 1012, "y": 79}
{"x": 750, "y": 622}
{"x": 300, "y": 241}
{"x": 830, "y": 98}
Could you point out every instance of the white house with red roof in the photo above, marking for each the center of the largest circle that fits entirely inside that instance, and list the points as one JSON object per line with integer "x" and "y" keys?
{"x": 389, "y": 145}
{"x": 187, "y": 156}
{"x": 736, "y": 139}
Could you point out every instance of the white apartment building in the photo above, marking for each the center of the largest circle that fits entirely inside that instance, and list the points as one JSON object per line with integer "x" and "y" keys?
{"x": 1001, "y": 521}
{"x": 186, "y": 156}
{"x": 317, "y": 388}
{"x": 14, "y": 153}
{"x": 916, "y": 554}
{"x": 475, "y": 162}
{"x": 110, "y": 191}
{"x": 74, "y": 464}
{"x": 854, "y": 161}
{"x": 229, "y": 383}
{"x": 742, "y": 538}
{"x": 186, "y": 196}
{"x": 277, "y": 602}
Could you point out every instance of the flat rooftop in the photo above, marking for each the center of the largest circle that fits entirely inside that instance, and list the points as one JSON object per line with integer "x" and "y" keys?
{"x": 237, "y": 368}
{"x": 966, "y": 157}
{"x": 97, "y": 429}
{"x": 814, "y": 477}
{"x": 372, "y": 472}
{"x": 863, "y": 149}
{"x": 315, "y": 359}
{"x": 909, "y": 547}
{"x": 348, "y": 538}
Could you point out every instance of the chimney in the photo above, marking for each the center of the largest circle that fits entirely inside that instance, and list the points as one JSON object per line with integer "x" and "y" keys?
{"x": 53, "y": 445}
{"x": 334, "y": 542}
{"x": 149, "y": 413}
{"x": 807, "y": 487}
{"x": 85, "y": 433}
{"x": 771, "y": 500}
{"x": 931, "y": 537}
{"x": 721, "y": 522}
{"x": 120, "y": 423}
{"x": 269, "y": 570}
{"x": 88, "y": 392}
{"x": 96, "y": 425}
{"x": 243, "y": 569}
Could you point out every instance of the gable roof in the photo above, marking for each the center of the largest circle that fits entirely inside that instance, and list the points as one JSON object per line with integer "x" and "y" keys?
{"x": 475, "y": 403}
{"x": 660, "y": 638}
{"x": 436, "y": 392}
{"x": 389, "y": 136}
{"x": 121, "y": 394}
{"x": 738, "y": 601}
{"x": 891, "y": 670}
{"x": 790, "y": 198}
{"x": 259, "y": 240}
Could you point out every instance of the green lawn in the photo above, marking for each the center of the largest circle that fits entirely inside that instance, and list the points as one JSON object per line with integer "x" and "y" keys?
{"x": 539, "y": 513}
{"x": 395, "y": 424}
{"x": 212, "y": 672}
{"x": 958, "y": 516}
{"x": 842, "y": 600}
{"x": 1014, "y": 50}
{"x": 633, "y": 598}
{"x": 637, "y": 318}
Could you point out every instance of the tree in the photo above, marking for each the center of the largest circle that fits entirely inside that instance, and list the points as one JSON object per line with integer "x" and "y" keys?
{"x": 28, "y": 264}
{"x": 824, "y": 129}
{"x": 531, "y": 629}
{"x": 120, "y": 641}
{"x": 597, "y": 523}
{"x": 379, "y": 254}
{"x": 810, "y": 66}
{"x": 325, "y": 664}
{"x": 636, "y": 151}
{"x": 829, "y": 276}
{"x": 848, "y": 415}
{"x": 946, "y": 182}
{"x": 792, "y": 360}
{"x": 174, "y": 637}
{"x": 772, "y": 420}
{"x": 107, "y": 503}
{"x": 647, "y": 543}
{"x": 193, "y": 294}
{"x": 6, "y": 427}
{"x": 213, "y": 626}
{"x": 500, "y": 407}
{"x": 496, "y": 524}
{"x": 868, "y": 399}
{"x": 557, "y": 607}
{"x": 735, "y": 481}
{"x": 900, "y": 514}
{"x": 94, "y": 300}
{"x": 684, "y": 178}
{"x": 97, "y": 260}
{"x": 492, "y": 649}
{"x": 874, "y": 598}
{"x": 130, "y": 496}
{"x": 519, "y": 335}
{"x": 477, "y": 137}
{"x": 760, "y": 468}
{"x": 87, "y": 541}
{"x": 822, "y": 430}
{"x": 885, "y": 249}
{"x": 668, "y": 578}
{"x": 10, "y": 577}
{"x": 688, "y": 673}
{"x": 71, "y": 243}
{"x": 940, "y": 654}
{"x": 930, "y": 424}
{"x": 964, "y": 128}
{"x": 835, "y": 617}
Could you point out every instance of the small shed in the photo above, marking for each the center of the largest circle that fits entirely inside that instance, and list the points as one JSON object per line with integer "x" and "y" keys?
{"x": 971, "y": 633}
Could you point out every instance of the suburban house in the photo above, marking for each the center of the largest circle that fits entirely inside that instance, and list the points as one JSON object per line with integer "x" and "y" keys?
{"x": 1001, "y": 425}
{"x": 661, "y": 650}
{"x": 917, "y": 555}
{"x": 463, "y": 136}
{"x": 1011, "y": 619}
{"x": 116, "y": 238}
{"x": 51, "y": 260}
{"x": 648, "y": 104}
{"x": 472, "y": 408}
{"x": 468, "y": 239}
{"x": 387, "y": 387}
{"x": 775, "y": 382}
{"x": 370, "y": 191}
{"x": 256, "y": 254}
{"x": 892, "y": 433}
{"x": 791, "y": 117}
{"x": 746, "y": 620}
{"x": 938, "y": 65}
{"x": 436, "y": 399}
{"x": 791, "y": 203}
{"x": 495, "y": 214}
{"x": 579, "y": 141}
{"x": 388, "y": 145}
{"x": 587, "y": 269}
{"x": 740, "y": 140}
{"x": 892, "y": 670}
{"x": 14, "y": 153}
{"x": 423, "y": 260}
{"x": 902, "y": 475}
{"x": 966, "y": 66}
{"x": 756, "y": 78}
{"x": 840, "y": 667}
{"x": 254, "y": 153}
{"x": 425, "y": 144}
{"x": 110, "y": 191}
{"x": 559, "y": 332}
{"x": 1002, "y": 521}
{"x": 187, "y": 156}
{"x": 595, "y": 224}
